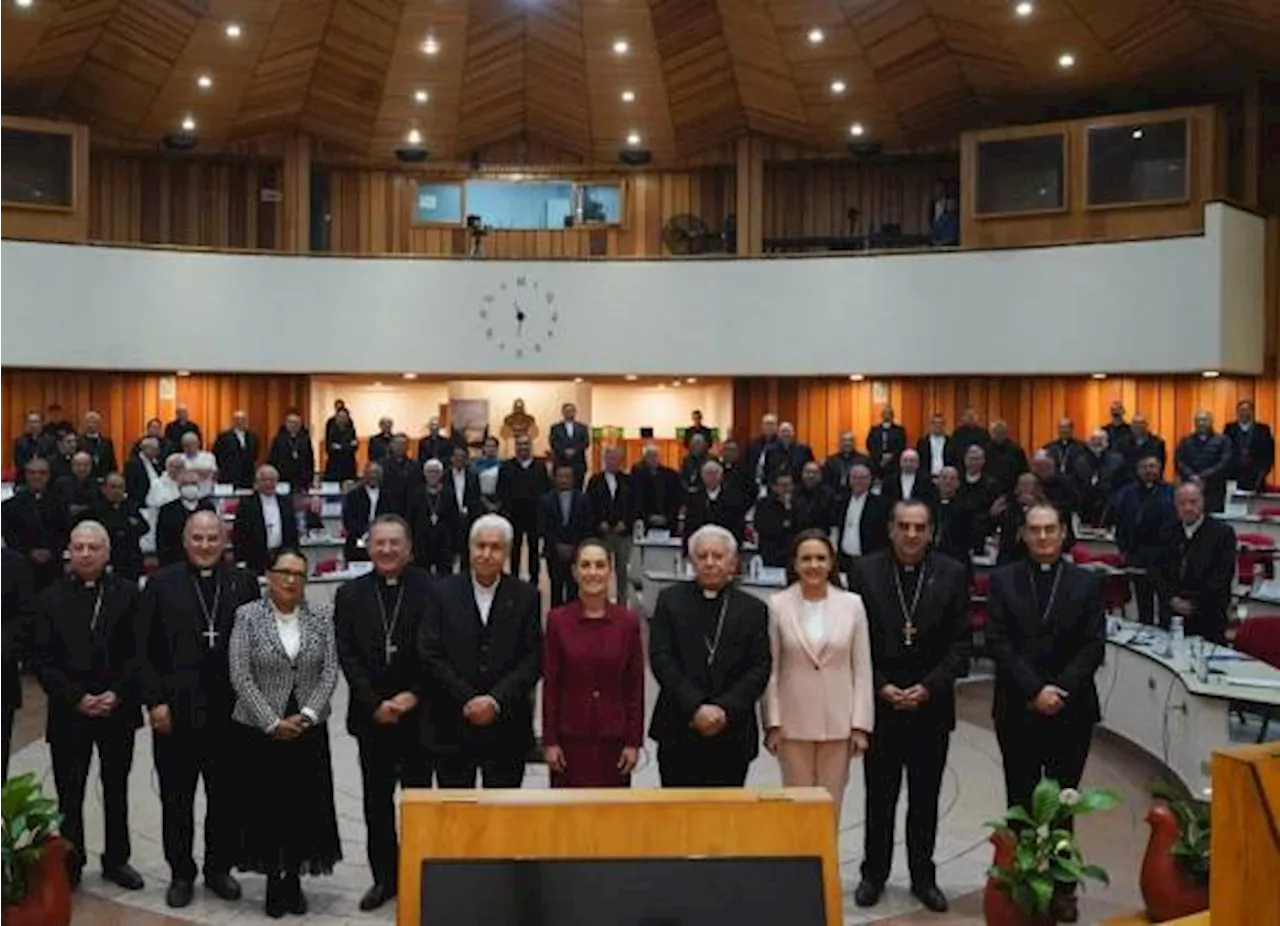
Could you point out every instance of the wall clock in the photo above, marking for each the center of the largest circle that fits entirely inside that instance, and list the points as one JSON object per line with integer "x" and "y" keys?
{"x": 520, "y": 317}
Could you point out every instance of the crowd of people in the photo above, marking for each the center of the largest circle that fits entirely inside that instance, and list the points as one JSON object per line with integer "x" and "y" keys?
{"x": 442, "y": 644}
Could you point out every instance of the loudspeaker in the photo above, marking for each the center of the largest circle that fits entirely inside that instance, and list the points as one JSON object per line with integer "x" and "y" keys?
{"x": 635, "y": 157}
{"x": 412, "y": 154}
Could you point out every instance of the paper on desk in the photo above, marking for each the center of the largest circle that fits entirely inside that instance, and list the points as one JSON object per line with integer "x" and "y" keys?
{"x": 224, "y": 490}
{"x": 1254, "y": 682}
{"x": 772, "y": 575}
{"x": 656, "y": 534}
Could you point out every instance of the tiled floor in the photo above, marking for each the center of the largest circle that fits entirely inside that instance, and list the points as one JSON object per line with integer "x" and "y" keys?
{"x": 972, "y": 793}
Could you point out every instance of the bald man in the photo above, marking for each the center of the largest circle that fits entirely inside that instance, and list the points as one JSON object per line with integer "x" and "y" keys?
{"x": 758, "y": 449}
{"x": 264, "y": 522}
{"x": 1197, "y": 563}
{"x": 84, "y": 650}
{"x": 236, "y": 451}
{"x": 788, "y": 454}
{"x": 180, "y": 425}
{"x": 99, "y": 447}
{"x": 125, "y": 525}
{"x": 1065, "y": 451}
{"x": 79, "y": 491}
{"x": 1205, "y": 456}
{"x": 185, "y": 618}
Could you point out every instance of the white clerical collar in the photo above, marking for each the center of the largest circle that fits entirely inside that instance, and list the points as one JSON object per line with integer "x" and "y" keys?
{"x": 1244, "y": 426}
{"x": 190, "y": 504}
{"x": 525, "y": 464}
{"x": 484, "y": 591}
{"x": 1046, "y": 567}
{"x": 1190, "y": 529}
{"x": 713, "y": 494}
{"x": 972, "y": 479}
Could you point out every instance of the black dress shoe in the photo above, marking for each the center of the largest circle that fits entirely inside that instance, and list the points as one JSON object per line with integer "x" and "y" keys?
{"x": 294, "y": 900}
{"x": 1064, "y": 908}
{"x": 179, "y": 893}
{"x": 376, "y": 896}
{"x": 74, "y": 875}
{"x": 126, "y": 876}
{"x": 931, "y": 897}
{"x": 222, "y": 884}
{"x": 277, "y": 903}
{"x": 868, "y": 893}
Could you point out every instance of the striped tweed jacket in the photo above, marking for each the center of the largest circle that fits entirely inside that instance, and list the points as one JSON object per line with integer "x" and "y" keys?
{"x": 262, "y": 674}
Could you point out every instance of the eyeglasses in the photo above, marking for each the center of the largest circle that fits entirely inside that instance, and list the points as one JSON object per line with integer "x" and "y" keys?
{"x": 290, "y": 574}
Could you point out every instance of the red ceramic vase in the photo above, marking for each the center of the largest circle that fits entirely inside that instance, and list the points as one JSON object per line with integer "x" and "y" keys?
{"x": 997, "y": 906}
{"x": 1166, "y": 890}
{"x": 48, "y": 900}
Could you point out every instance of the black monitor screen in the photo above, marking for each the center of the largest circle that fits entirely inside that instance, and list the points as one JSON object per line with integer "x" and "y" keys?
{"x": 623, "y": 892}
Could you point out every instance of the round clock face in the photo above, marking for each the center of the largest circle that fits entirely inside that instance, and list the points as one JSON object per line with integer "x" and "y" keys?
{"x": 520, "y": 317}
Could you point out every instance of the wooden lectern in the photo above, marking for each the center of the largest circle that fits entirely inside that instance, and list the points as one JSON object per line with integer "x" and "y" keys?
{"x": 614, "y": 824}
{"x": 1244, "y": 872}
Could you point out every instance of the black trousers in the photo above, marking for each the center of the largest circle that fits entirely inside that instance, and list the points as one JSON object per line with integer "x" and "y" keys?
{"x": 525, "y": 533}
{"x": 706, "y": 764}
{"x": 1144, "y": 592}
{"x": 184, "y": 757}
{"x": 388, "y": 756}
{"x": 72, "y": 751}
{"x": 8, "y": 736}
{"x": 921, "y": 751}
{"x": 563, "y": 588}
{"x": 458, "y": 770}
{"x": 1031, "y": 750}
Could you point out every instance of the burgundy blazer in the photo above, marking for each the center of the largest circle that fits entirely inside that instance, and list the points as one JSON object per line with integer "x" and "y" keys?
{"x": 592, "y": 676}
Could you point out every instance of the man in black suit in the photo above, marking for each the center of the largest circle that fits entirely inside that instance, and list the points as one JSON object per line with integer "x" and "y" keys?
{"x": 691, "y": 465}
{"x": 862, "y": 519}
{"x": 400, "y": 474}
{"x": 436, "y": 446}
{"x": 84, "y": 652}
{"x": 1255, "y": 448}
{"x": 264, "y": 522}
{"x": 171, "y": 520}
{"x": 1006, "y": 460}
{"x": 1206, "y": 456}
{"x": 435, "y": 521}
{"x": 1104, "y": 472}
{"x": 185, "y": 619}
{"x": 522, "y": 481}
{"x": 564, "y": 521}
{"x": 63, "y": 454}
{"x": 462, "y": 482}
{"x": 918, "y": 613}
{"x": 969, "y": 434}
{"x": 818, "y": 498}
{"x": 79, "y": 491}
{"x": 779, "y": 516}
{"x": 1118, "y": 430}
{"x": 786, "y": 454}
{"x": 1046, "y": 634}
{"x": 697, "y": 427}
{"x": 180, "y": 425}
{"x": 735, "y": 471}
{"x": 978, "y": 493}
{"x": 614, "y": 512}
{"x": 570, "y": 440}
{"x": 716, "y": 503}
{"x": 292, "y": 455}
{"x": 30, "y": 444}
{"x": 758, "y": 451}
{"x": 936, "y": 449}
{"x": 659, "y": 493}
{"x": 885, "y": 443}
{"x": 236, "y": 450}
{"x": 376, "y": 619}
{"x": 835, "y": 469}
{"x": 363, "y": 505}
{"x": 1144, "y": 514}
{"x": 100, "y": 448}
{"x": 380, "y": 443}
{"x": 142, "y": 468}
{"x": 125, "y": 527}
{"x": 709, "y": 648}
{"x": 481, "y": 643}
{"x": 1195, "y": 567}
{"x": 35, "y": 524}
{"x": 953, "y": 528}
{"x": 905, "y": 483}
{"x": 1142, "y": 444}
{"x": 16, "y": 617}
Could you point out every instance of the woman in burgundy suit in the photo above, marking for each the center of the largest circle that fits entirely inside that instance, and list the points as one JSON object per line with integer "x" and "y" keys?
{"x": 592, "y": 682}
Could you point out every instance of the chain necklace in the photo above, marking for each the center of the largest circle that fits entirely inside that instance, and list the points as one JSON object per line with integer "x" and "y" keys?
{"x": 909, "y": 629}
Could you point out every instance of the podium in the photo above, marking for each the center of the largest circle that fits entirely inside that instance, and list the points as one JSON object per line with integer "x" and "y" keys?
{"x": 1244, "y": 872}
{"x": 612, "y": 827}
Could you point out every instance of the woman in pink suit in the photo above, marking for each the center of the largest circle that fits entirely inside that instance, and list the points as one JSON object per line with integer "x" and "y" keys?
{"x": 819, "y": 708}
{"x": 592, "y": 682}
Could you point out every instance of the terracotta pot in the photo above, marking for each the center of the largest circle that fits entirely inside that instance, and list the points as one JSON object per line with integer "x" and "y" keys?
{"x": 997, "y": 906}
{"x": 48, "y": 901}
{"x": 1167, "y": 891}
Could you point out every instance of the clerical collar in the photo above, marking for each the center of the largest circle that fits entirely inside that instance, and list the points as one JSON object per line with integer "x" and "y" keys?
{"x": 711, "y": 594}
{"x": 391, "y": 581}
{"x": 1190, "y": 529}
{"x": 911, "y": 568}
{"x": 87, "y": 583}
{"x": 972, "y": 478}
{"x": 713, "y": 494}
{"x": 1244, "y": 425}
{"x": 525, "y": 463}
{"x": 201, "y": 572}
{"x": 1047, "y": 567}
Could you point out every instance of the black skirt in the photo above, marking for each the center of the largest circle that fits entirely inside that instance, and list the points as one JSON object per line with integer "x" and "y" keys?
{"x": 290, "y": 824}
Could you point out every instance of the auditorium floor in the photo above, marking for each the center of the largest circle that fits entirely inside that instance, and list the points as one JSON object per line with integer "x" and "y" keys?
{"x": 972, "y": 794}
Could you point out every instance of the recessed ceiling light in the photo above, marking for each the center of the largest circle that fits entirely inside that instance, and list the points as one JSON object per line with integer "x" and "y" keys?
{"x": 628, "y": 96}
{"x": 414, "y": 137}
{"x": 188, "y": 124}
{"x": 621, "y": 46}
{"x": 856, "y": 377}
{"x": 577, "y": 380}
{"x": 816, "y": 36}
{"x": 1025, "y": 8}
{"x": 184, "y": 372}
{"x": 410, "y": 375}
{"x": 1211, "y": 374}
{"x": 677, "y": 383}
{"x": 631, "y": 377}
{"x": 421, "y": 96}
{"x": 1066, "y": 60}
{"x": 691, "y": 379}
{"x": 1137, "y": 133}
{"x": 23, "y": 4}
{"x": 430, "y": 46}
{"x": 662, "y": 385}
{"x": 856, "y": 129}
{"x": 204, "y": 82}
{"x": 377, "y": 384}
{"x": 633, "y": 138}
{"x": 232, "y": 30}
{"x": 839, "y": 86}
{"x": 1099, "y": 375}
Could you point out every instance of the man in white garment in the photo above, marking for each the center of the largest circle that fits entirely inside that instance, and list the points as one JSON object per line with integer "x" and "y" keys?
{"x": 165, "y": 488}
{"x": 200, "y": 462}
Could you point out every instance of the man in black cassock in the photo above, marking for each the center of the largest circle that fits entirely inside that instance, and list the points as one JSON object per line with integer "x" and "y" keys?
{"x": 715, "y": 502}
{"x": 659, "y": 493}
{"x": 125, "y": 526}
{"x": 78, "y": 491}
{"x": 434, "y": 518}
{"x": 564, "y": 521}
{"x": 1255, "y": 448}
{"x": 16, "y": 618}
{"x": 292, "y": 454}
{"x": 917, "y": 605}
{"x": 236, "y": 450}
{"x": 180, "y": 425}
{"x": 100, "y": 448}
{"x": 1195, "y": 567}
{"x": 376, "y": 619}
{"x": 361, "y": 506}
{"x": 84, "y": 652}
{"x": 30, "y": 444}
{"x": 885, "y": 442}
{"x": 34, "y": 523}
{"x": 185, "y": 618}
{"x": 523, "y": 480}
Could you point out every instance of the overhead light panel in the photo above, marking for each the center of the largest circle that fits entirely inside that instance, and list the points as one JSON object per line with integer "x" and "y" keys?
{"x": 838, "y": 87}
{"x": 1211, "y": 374}
{"x": 1099, "y": 376}
{"x": 856, "y": 377}
{"x": 430, "y": 46}
{"x": 633, "y": 138}
{"x": 621, "y": 46}
{"x": 1025, "y": 8}
{"x": 232, "y": 30}
{"x": 204, "y": 82}
{"x": 631, "y": 377}
{"x": 1137, "y": 133}
{"x": 414, "y": 137}
{"x": 1066, "y": 60}
{"x": 628, "y": 96}
{"x": 23, "y": 4}
{"x": 421, "y": 96}
{"x": 816, "y": 36}
{"x": 691, "y": 379}
{"x": 857, "y": 130}
{"x": 189, "y": 123}
{"x": 410, "y": 375}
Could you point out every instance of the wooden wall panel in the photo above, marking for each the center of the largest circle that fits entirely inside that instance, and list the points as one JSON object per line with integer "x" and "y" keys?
{"x": 822, "y": 408}
{"x": 53, "y": 224}
{"x": 127, "y": 400}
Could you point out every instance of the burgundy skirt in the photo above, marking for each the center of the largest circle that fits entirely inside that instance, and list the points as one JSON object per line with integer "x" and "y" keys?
{"x": 591, "y": 763}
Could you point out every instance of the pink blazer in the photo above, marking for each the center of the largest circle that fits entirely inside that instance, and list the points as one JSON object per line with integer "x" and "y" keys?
{"x": 825, "y": 691}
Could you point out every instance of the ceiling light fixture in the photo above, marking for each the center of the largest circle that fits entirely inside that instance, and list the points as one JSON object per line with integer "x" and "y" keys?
{"x": 421, "y": 96}
{"x": 414, "y": 137}
{"x": 838, "y": 87}
{"x": 856, "y": 377}
{"x": 430, "y": 46}
{"x": 410, "y": 375}
{"x": 1137, "y": 133}
{"x": 856, "y": 130}
{"x": 691, "y": 379}
{"x": 631, "y": 377}
{"x": 1099, "y": 376}
{"x": 204, "y": 82}
{"x": 621, "y": 46}
{"x": 23, "y": 4}
{"x": 232, "y": 30}
{"x": 628, "y": 96}
{"x": 184, "y": 373}
{"x": 1066, "y": 60}
{"x": 816, "y": 36}
{"x": 1211, "y": 374}
{"x": 633, "y": 138}
{"x": 1025, "y": 8}
{"x": 188, "y": 123}
{"x": 577, "y": 380}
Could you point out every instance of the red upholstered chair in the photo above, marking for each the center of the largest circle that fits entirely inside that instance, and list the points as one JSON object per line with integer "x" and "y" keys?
{"x": 1270, "y": 512}
{"x": 8, "y": 474}
{"x": 1082, "y": 555}
{"x": 1259, "y": 637}
{"x": 327, "y": 566}
{"x": 978, "y": 609}
{"x": 230, "y": 506}
{"x": 1255, "y": 550}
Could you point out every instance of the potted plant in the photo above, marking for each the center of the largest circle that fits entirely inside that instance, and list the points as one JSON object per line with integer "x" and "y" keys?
{"x": 1175, "y": 869}
{"x": 1036, "y": 852}
{"x": 36, "y": 891}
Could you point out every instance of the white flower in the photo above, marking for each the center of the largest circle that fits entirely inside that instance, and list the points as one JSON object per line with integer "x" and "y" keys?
{"x": 1043, "y": 831}
{"x": 1069, "y": 797}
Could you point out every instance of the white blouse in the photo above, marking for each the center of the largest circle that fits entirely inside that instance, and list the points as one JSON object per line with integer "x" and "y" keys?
{"x": 290, "y": 632}
{"x": 814, "y": 619}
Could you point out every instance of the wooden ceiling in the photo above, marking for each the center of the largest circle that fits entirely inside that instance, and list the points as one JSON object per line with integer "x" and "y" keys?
{"x": 540, "y": 78}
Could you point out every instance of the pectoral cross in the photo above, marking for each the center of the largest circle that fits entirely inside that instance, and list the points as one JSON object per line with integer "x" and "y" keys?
{"x": 210, "y": 636}
{"x": 909, "y": 632}
{"x": 391, "y": 650}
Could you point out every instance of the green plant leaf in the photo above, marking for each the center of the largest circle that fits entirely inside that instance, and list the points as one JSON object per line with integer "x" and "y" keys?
{"x": 1042, "y": 889}
{"x": 1096, "y": 872}
{"x": 1044, "y": 801}
{"x": 1093, "y": 799}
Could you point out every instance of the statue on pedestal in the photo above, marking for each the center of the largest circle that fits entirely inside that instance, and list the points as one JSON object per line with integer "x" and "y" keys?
{"x": 517, "y": 424}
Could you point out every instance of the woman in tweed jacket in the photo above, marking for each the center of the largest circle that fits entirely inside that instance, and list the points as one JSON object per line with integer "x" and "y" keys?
{"x": 284, "y": 666}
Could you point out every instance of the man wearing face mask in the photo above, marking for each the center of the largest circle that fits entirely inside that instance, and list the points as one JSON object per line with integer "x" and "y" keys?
{"x": 172, "y": 518}
{"x": 124, "y": 524}
{"x": 84, "y": 648}
{"x": 185, "y": 618}
{"x": 709, "y": 649}
{"x": 376, "y": 619}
